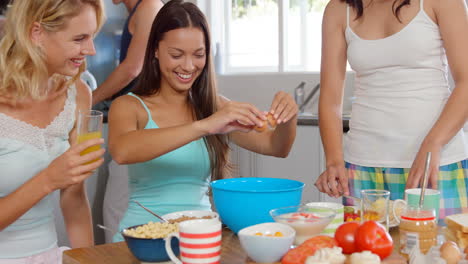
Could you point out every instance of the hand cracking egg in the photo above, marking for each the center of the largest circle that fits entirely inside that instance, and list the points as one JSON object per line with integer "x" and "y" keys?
{"x": 270, "y": 123}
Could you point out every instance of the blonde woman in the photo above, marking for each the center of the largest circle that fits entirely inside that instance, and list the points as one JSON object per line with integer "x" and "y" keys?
{"x": 41, "y": 56}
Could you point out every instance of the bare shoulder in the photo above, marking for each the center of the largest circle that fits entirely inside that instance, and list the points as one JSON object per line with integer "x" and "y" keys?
{"x": 125, "y": 102}
{"x": 336, "y": 6}
{"x": 127, "y": 110}
{"x": 148, "y": 7}
{"x": 335, "y": 12}
{"x": 446, "y": 8}
{"x": 445, "y": 5}
{"x": 83, "y": 95}
{"x": 127, "y": 105}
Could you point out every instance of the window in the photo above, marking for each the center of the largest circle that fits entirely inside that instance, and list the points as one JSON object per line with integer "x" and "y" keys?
{"x": 266, "y": 35}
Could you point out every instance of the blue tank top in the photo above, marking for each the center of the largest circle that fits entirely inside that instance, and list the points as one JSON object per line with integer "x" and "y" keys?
{"x": 124, "y": 44}
{"x": 25, "y": 150}
{"x": 175, "y": 181}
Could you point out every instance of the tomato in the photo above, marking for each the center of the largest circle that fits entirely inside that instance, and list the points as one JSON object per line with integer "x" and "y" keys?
{"x": 372, "y": 236}
{"x": 344, "y": 235}
{"x": 299, "y": 254}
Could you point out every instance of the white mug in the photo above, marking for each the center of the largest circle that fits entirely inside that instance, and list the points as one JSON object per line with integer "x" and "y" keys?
{"x": 412, "y": 196}
{"x": 199, "y": 242}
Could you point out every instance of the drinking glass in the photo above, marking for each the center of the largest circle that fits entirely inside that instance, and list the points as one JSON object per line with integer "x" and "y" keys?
{"x": 89, "y": 126}
{"x": 374, "y": 206}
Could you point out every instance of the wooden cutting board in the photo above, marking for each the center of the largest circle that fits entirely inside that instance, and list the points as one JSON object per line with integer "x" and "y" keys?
{"x": 249, "y": 261}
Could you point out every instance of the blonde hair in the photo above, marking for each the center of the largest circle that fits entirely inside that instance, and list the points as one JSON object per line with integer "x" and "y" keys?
{"x": 22, "y": 64}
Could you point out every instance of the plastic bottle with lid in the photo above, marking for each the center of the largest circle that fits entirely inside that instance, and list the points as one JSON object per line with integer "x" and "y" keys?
{"x": 418, "y": 228}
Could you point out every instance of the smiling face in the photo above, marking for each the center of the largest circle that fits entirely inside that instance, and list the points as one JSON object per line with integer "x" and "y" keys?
{"x": 65, "y": 50}
{"x": 182, "y": 57}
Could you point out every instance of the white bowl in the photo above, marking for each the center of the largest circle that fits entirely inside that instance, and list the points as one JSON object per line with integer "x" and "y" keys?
{"x": 336, "y": 222}
{"x": 266, "y": 249}
{"x": 190, "y": 213}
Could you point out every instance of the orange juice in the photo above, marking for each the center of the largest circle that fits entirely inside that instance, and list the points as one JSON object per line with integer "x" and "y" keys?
{"x": 88, "y": 136}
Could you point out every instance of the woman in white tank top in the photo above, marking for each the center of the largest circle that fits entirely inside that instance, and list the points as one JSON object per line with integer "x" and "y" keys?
{"x": 400, "y": 51}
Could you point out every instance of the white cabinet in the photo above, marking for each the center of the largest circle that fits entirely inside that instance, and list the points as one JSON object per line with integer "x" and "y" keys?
{"x": 302, "y": 164}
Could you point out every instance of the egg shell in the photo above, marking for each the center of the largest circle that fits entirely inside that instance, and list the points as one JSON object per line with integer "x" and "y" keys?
{"x": 271, "y": 121}
{"x": 262, "y": 128}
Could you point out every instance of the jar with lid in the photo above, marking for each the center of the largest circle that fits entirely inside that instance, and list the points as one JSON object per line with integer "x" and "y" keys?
{"x": 418, "y": 228}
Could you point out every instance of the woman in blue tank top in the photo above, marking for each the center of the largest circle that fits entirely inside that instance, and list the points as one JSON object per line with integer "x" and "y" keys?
{"x": 174, "y": 129}
{"x": 42, "y": 55}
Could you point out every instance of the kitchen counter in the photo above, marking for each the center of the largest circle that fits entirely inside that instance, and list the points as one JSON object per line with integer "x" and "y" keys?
{"x": 309, "y": 119}
{"x": 231, "y": 252}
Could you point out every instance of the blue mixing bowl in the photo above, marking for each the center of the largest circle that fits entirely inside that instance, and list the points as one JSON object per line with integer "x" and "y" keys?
{"x": 242, "y": 202}
{"x": 150, "y": 249}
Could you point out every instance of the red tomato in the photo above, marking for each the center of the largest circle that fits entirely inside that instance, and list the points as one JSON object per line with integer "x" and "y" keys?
{"x": 299, "y": 254}
{"x": 372, "y": 236}
{"x": 344, "y": 235}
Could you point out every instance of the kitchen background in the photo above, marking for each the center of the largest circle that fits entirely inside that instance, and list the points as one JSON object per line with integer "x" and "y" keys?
{"x": 251, "y": 69}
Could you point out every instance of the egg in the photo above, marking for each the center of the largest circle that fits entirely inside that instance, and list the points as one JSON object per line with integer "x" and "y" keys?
{"x": 450, "y": 252}
{"x": 261, "y": 128}
{"x": 270, "y": 123}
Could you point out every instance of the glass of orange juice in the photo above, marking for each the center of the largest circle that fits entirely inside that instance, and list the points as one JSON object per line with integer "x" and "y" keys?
{"x": 375, "y": 206}
{"x": 89, "y": 126}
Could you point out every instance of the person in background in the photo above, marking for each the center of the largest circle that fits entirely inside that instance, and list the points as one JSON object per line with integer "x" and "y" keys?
{"x": 400, "y": 52}
{"x": 174, "y": 129}
{"x": 132, "y": 49}
{"x": 3, "y": 8}
{"x": 41, "y": 57}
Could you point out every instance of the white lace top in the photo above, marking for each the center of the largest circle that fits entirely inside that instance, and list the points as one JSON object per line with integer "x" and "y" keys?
{"x": 25, "y": 150}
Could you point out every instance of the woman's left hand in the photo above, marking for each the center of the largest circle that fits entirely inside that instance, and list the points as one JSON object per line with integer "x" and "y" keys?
{"x": 416, "y": 173}
{"x": 283, "y": 107}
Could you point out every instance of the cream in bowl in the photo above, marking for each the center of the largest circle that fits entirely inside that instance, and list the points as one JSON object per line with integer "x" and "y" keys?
{"x": 308, "y": 221}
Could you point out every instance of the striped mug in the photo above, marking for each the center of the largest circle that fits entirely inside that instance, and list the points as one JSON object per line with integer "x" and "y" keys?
{"x": 199, "y": 242}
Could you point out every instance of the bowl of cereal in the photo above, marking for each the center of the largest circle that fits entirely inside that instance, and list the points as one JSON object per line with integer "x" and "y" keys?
{"x": 146, "y": 241}
{"x": 180, "y": 216}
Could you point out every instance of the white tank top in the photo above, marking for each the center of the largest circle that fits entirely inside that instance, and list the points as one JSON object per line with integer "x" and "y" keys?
{"x": 401, "y": 87}
{"x": 25, "y": 150}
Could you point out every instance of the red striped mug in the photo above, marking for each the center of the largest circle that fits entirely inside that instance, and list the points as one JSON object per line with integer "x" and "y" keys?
{"x": 199, "y": 242}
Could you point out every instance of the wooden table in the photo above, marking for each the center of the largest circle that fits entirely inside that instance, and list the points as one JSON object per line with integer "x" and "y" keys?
{"x": 231, "y": 252}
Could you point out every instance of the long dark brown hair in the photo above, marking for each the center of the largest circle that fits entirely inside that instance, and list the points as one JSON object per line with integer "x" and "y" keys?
{"x": 203, "y": 94}
{"x": 358, "y": 5}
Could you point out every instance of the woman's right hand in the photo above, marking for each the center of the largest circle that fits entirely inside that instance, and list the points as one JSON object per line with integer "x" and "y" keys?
{"x": 333, "y": 181}
{"x": 71, "y": 168}
{"x": 233, "y": 116}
